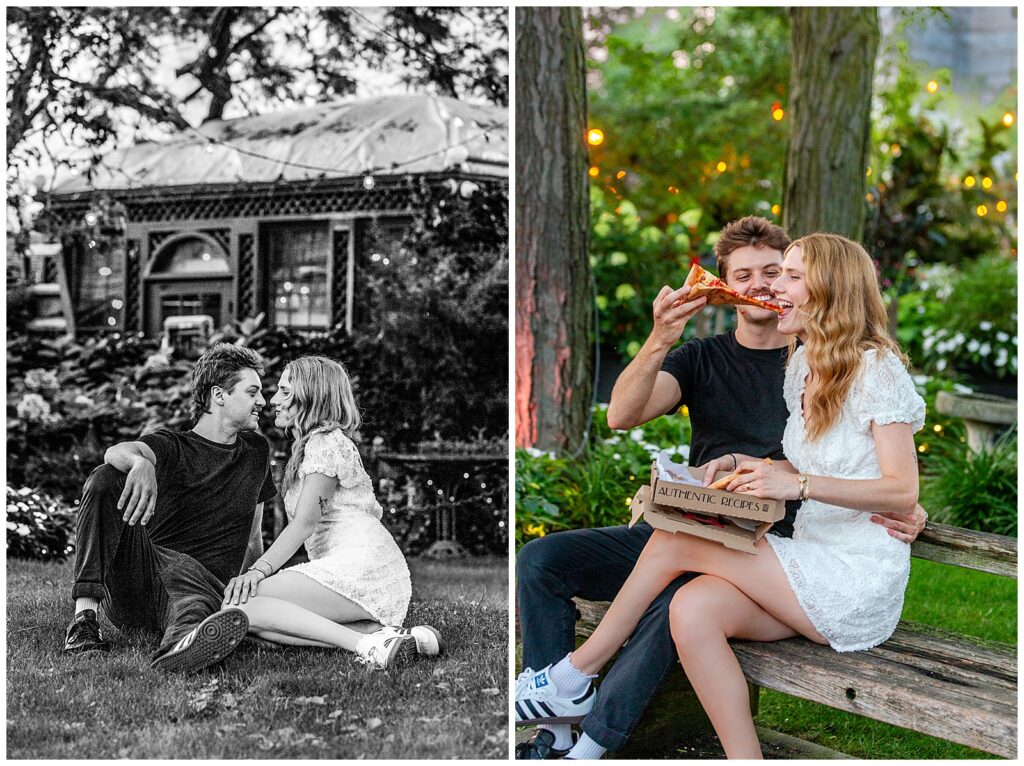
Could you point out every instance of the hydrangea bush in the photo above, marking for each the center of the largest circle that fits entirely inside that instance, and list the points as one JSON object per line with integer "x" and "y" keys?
{"x": 39, "y": 526}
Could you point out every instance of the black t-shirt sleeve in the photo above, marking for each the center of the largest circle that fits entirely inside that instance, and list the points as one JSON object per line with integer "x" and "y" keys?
{"x": 680, "y": 363}
{"x": 164, "y": 446}
{"x": 269, "y": 489}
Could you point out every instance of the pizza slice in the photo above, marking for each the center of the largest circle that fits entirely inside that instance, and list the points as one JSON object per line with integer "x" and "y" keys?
{"x": 702, "y": 282}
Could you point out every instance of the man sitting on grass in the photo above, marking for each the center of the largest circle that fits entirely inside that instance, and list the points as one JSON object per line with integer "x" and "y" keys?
{"x": 159, "y": 560}
{"x": 732, "y": 385}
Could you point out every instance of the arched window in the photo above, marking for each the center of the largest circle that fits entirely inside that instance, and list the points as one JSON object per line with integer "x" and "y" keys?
{"x": 190, "y": 255}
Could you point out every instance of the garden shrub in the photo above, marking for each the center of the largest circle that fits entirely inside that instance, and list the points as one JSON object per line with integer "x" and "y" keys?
{"x": 39, "y": 526}
{"x": 976, "y": 490}
{"x": 555, "y": 492}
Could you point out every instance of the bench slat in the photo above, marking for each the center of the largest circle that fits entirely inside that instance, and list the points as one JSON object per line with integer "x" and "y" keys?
{"x": 986, "y": 552}
{"x": 935, "y": 682}
{"x": 972, "y": 707}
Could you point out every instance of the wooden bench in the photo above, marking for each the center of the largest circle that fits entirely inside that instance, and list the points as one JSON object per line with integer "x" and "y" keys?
{"x": 943, "y": 684}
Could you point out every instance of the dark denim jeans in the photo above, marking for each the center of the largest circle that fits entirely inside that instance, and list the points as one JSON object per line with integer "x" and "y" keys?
{"x": 593, "y": 564}
{"x": 141, "y": 584}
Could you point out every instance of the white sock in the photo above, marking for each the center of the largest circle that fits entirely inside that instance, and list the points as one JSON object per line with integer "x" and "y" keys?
{"x": 586, "y": 750}
{"x": 81, "y": 604}
{"x": 569, "y": 681}
{"x": 562, "y": 732}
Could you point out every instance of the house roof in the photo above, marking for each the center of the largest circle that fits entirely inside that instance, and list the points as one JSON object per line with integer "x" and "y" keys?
{"x": 389, "y": 135}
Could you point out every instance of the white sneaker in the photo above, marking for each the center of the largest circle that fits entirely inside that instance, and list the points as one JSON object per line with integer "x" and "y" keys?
{"x": 537, "y": 700}
{"x": 428, "y": 640}
{"x": 384, "y": 649}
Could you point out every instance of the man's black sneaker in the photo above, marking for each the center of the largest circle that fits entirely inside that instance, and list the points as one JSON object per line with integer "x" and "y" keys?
{"x": 540, "y": 747}
{"x": 84, "y": 634}
{"x": 208, "y": 643}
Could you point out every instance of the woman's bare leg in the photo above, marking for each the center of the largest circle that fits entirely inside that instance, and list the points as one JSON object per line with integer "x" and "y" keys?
{"x": 293, "y": 609}
{"x": 704, "y": 615}
{"x": 664, "y": 558}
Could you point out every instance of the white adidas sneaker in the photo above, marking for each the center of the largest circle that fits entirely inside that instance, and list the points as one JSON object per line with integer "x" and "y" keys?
{"x": 537, "y": 700}
{"x": 428, "y": 641}
{"x": 385, "y": 649}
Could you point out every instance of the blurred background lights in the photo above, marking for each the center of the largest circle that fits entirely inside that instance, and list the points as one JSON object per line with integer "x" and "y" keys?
{"x": 595, "y": 136}
{"x": 932, "y": 86}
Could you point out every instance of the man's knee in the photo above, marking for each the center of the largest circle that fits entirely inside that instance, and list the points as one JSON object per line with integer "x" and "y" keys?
{"x": 538, "y": 558}
{"x": 105, "y": 481}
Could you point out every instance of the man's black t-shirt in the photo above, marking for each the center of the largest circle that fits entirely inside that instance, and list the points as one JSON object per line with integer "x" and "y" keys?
{"x": 206, "y": 495}
{"x": 734, "y": 395}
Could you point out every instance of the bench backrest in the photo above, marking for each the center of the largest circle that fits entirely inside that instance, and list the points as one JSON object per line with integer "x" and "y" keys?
{"x": 996, "y": 554}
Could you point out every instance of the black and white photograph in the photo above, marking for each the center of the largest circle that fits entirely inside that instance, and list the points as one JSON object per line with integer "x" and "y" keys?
{"x": 257, "y": 383}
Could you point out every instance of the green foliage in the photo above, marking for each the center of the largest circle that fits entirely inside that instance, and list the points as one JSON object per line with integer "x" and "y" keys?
{"x": 964, "y": 322}
{"x": 676, "y": 92}
{"x": 38, "y": 526}
{"x": 921, "y": 205}
{"x": 595, "y": 488}
{"x": 630, "y": 263}
{"x": 976, "y": 490}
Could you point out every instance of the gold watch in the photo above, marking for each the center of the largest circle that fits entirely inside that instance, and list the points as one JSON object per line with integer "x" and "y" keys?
{"x": 805, "y": 487}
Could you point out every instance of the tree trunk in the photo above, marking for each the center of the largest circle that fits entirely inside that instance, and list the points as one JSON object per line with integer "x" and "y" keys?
{"x": 833, "y": 60}
{"x": 554, "y": 301}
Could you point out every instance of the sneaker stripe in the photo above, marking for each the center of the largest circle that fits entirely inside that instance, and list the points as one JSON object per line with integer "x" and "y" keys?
{"x": 529, "y": 704}
{"x": 544, "y": 706}
{"x": 520, "y": 713}
{"x": 580, "y": 700}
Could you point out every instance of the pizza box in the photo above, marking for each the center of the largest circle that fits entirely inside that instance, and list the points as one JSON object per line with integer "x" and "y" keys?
{"x": 663, "y": 505}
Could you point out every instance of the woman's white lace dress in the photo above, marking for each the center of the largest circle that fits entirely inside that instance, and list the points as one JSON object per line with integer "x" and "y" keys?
{"x": 350, "y": 551}
{"x": 847, "y": 572}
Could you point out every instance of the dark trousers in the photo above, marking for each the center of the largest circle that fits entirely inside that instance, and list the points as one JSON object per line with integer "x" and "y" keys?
{"x": 594, "y": 564}
{"x": 141, "y": 584}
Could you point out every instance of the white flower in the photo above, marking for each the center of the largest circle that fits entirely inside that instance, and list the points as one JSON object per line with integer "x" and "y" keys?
{"x": 960, "y": 388}
{"x": 34, "y": 408}
{"x": 636, "y": 435}
{"x": 920, "y": 309}
{"x": 40, "y": 380}
{"x": 23, "y": 530}
{"x": 613, "y": 440}
{"x": 1002, "y": 337}
{"x": 957, "y": 339}
{"x": 928, "y": 343}
{"x": 928, "y": 331}
{"x": 1001, "y": 357}
{"x": 602, "y": 406}
{"x": 985, "y": 326}
{"x": 973, "y": 345}
{"x": 921, "y": 380}
{"x": 684, "y": 450}
{"x": 985, "y": 349}
{"x": 534, "y": 452}
{"x": 616, "y": 456}
{"x": 940, "y": 365}
{"x": 84, "y": 400}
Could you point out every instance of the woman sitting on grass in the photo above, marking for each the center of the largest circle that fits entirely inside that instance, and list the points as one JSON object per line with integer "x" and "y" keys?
{"x": 840, "y": 580}
{"x": 355, "y": 587}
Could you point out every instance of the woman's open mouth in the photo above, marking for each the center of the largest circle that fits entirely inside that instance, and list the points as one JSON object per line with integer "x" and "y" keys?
{"x": 783, "y": 304}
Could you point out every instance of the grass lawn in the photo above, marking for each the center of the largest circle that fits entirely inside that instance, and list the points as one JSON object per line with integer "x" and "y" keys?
{"x": 961, "y": 600}
{"x": 289, "y": 703}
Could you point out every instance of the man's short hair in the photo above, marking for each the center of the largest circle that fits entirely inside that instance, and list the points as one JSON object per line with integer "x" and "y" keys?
{"x": 751, "y": 231}
{"x": 222, "y": 365}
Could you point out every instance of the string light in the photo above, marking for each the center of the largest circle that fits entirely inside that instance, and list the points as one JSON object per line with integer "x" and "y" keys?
{"x": 981, "y": 210}
{"x": 1001, "y": 206}
{"x": 776, "y": 209}
{"x": 969, "y": 182}
{"x": 1008, "y": 119}
{"x": 721, "y": 167}
{"x": 932, "y": 86}
{"x": 595, "y": 136}
{"x": 986, "y": 183}
{"x": 593, "y": 171}
{"x": 778, "y": 114}
{"x": 621, "y": 174}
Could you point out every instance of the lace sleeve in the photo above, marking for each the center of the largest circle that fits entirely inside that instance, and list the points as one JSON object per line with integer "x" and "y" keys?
{"x": 888, "y": 394}
{"x": 332, "y": 454}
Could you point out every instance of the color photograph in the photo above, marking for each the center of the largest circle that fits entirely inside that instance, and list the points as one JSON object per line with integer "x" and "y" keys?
{"x": 765, "y": 383}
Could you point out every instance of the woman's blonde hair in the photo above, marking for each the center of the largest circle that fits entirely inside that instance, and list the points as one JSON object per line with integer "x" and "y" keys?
{"x": 843, "y": 317}
{"x": 322, "y": 395}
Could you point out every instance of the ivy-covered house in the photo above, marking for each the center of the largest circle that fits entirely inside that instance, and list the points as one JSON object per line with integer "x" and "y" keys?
{"x": 283, "y": 214}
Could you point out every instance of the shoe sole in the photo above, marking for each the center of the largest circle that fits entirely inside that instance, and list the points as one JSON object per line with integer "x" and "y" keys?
{"x": 79, "y": 650}
{"x": 434, "y": 644}
{"x": 216, "y": 637}
{"x": 551, "y": 719}
{"x": 401, "y": 654}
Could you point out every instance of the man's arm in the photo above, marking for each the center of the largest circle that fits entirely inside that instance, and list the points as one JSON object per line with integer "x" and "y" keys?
{"x": 138, "y": 499}
{"x": 255, "y": 548}
{"x": 643, "y": 392}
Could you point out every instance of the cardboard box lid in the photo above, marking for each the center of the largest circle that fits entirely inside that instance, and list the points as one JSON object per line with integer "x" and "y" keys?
{"x": 715, "y": 502}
